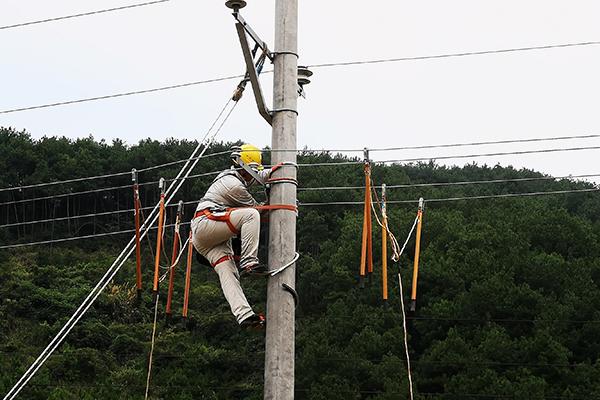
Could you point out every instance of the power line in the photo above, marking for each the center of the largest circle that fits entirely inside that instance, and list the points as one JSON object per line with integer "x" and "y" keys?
{"x": 459, "y": 183}
{"x": 334, "y": 203}
{"x": 506, "y": 195}
{"x": 437, "y": 146}
{"x": 82, "y": 14}
{"x": 328, "y": 188}
{"x": 341, "y": 64}
{"x": 37, "y": 185}
{"x": 457, "y": 156}
{"x": 112, "y": 96}
{"x": 450, "y": 55}
{"x": 129, "y": 210}
{"x": 510, "y": 141}
{"x": 69, "y": 239}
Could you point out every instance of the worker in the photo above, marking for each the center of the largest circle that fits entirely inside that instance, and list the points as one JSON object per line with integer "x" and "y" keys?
{"x": 214, "y": 226}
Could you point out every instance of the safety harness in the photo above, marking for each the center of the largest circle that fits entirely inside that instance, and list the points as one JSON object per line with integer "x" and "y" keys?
{"x": 223, "y": 214}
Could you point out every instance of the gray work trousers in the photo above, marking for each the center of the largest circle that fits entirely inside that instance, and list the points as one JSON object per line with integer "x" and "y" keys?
{"x": 212, "y": 239}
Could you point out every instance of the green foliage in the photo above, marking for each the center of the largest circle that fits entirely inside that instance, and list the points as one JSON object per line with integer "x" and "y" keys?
{"x": 508, "y": 295}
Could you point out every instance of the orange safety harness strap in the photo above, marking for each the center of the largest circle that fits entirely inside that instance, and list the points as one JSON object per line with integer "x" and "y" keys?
{"x": 223, "y": 259}
{"x": 226, "y": 218}
{"x": 222, "y": 218}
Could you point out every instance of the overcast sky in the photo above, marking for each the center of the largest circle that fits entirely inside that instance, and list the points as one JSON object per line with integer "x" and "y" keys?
{"x": 488, "y": 97}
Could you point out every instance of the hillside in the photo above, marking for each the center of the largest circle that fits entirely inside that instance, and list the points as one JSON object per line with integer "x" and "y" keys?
{"x": 508, "y": 306}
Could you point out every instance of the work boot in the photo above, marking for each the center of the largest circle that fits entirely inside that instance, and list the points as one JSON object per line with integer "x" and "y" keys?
{"x": 255, "y": 269}
{"x": 254, "y": 322}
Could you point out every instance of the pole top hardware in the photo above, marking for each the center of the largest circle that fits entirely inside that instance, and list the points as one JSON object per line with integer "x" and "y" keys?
{"x": 421, "y": 204}
{"x": 304, "y": 75}
{"x": 161, "y": 184}
{"x": 366, "y": 155}
{"x": 134, "y": 176}
{"x": 235, "y": 5}
{"x": 180, "y": 207}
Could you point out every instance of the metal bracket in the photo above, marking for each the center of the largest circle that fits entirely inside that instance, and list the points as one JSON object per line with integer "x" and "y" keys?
{"x": 293, "y": 292}
{"x": 251, "y": 69}
{"x": 253, "y": 35}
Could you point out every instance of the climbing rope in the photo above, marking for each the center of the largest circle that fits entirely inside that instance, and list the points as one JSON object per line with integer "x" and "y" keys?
{"x": 152, "y": 347}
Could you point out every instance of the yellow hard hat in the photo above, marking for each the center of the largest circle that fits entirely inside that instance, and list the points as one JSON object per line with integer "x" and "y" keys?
{"x": 251, "y": 156}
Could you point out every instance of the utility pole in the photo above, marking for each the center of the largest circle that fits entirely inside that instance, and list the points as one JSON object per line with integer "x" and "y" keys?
{"x": 280, "y": 335}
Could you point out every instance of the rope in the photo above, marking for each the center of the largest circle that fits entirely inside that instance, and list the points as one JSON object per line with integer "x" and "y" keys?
{"x": 408, "y": 366}
{"x": 395, "y": 246}
{"x": 152, "y": 346}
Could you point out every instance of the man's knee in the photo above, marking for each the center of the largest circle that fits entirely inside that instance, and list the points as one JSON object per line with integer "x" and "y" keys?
{"x": 249, "y": 214}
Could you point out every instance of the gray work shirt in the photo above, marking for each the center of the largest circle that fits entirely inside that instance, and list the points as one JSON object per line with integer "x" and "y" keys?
{"x": 229, "y": 190}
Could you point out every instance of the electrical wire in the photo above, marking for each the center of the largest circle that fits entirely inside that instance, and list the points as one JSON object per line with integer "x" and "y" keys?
{"x": 83, "y": 14}
{"x": 70, "y": 239}
{"x": 37, "y": 185}
{"x": 314, "y": 204}
{"x": 460, "y": 183}
{"x": 450, "y": 55}
{"x": 456, "y": 156}
{"x": 446, "y": 145}
{"x": 112, "y": 96}
{"x": 438, "y": 146}
{"x": 300, "y": 189}
{"x": 352, "y": 203}
{"x": 104, "y": 213}
{"x": 98, "y": 191}
{"x": 339, "y": 64}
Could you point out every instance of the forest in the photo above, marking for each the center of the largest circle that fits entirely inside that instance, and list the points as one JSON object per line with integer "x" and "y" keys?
{"x": 508, "y": 302}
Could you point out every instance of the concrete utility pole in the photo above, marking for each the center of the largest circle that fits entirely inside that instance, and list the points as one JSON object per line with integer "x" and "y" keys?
{"x": 280, "y": 335}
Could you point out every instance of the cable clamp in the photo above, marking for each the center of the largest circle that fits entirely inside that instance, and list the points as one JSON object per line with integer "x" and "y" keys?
{"x": 271, "y": 181}
{"x": 276, "y": 110}
{"x": 284, "y": 52}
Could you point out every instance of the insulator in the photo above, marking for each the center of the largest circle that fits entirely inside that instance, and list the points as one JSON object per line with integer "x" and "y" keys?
{"x": 304, "y": 75}
{"x": 235, "y": 4}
